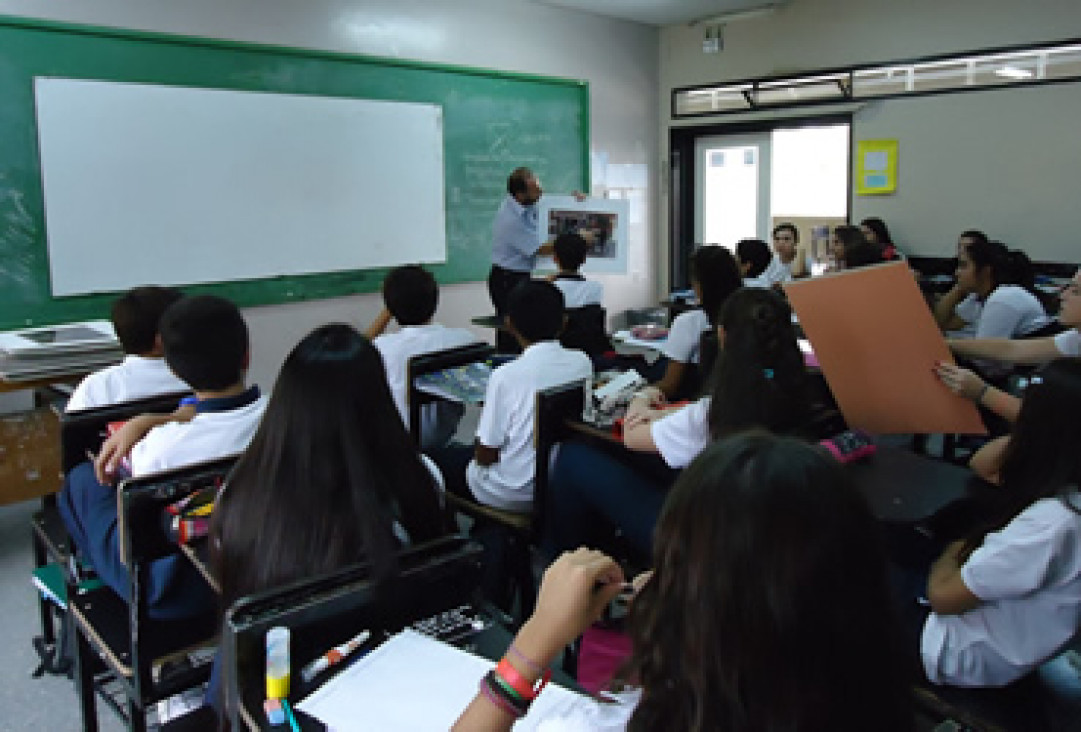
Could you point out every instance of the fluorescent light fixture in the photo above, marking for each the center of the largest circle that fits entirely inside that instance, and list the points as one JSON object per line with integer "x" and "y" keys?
{"x": 1013, "y": 72}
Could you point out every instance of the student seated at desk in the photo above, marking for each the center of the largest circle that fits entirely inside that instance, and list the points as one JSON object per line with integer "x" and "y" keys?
{"x": 206, "y": 344}
{"x": 499, "y": 470}
{"x": 585, "y": 328}
{"x": 767, "y": 609}
{"x": 756, "y": 264}
{"x": 991, "y": 295}
{"x": 1007, "y": 596}
{"x": 411, "y": 296}
{"x": 1028, "y": 351}
{"x": 791, "y": 255}
{"x": 330, "y": 479}
{"x": 143, "y": 372}
{"x": 759, "y": 381}
{"x": 714, "y": 276}
{"x": 849, "y": 250}
{"x": 876, "y": 232}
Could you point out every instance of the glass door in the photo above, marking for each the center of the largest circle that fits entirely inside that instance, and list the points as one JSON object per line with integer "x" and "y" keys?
{"x": 732, "y": 188}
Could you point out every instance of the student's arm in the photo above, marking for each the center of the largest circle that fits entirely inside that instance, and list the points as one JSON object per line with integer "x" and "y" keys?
{"x": 485, "y": 455}
{"x": 378, "y": 325}
{"x": 119, "y": 444}
{"x": 573, "y": 594}
{"x": 645, "y": 406}
{"x": 987, "y": 461}
{"x": 945, "y": 316}
{"x": 673, "y": 375}
{"x": 946, "y": 589}
{"x": 799, "y": 264}
{"x": 967, "y": 384}
{"x": 1036, "y": 350}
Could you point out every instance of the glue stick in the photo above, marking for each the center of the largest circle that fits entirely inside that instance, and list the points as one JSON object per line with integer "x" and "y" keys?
{"x": 277, "y": 663}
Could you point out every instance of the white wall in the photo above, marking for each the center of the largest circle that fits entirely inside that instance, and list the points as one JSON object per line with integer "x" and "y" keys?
{"x": 619, "y": 59}
{"x": 999, "y": 160}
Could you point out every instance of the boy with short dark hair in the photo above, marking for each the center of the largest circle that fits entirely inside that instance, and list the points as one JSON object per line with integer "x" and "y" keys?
{"x": 206, "y": 344}
{"x": 501, "y": 470}
{"x": 143, "y": 372}
{"x": 411, "y": 295}
{"x": 754, "y": 257}
{"x": 570, "y": 255}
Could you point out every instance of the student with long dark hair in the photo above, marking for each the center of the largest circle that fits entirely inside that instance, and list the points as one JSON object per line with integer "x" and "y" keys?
{"x": 994, "y": 295}
{"x": 767, "y": 608}
{"x": 331, "y": 478}
{"x": 759, "y": 381}
{"x": 1007, "y": 596}
{"x": 876, "y": 232}
{"x": 714, "y": 276}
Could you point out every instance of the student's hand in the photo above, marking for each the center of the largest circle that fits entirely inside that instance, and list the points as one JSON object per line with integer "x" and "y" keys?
{"x": 574, "y": 592}
{"x": 641, "y": 417}
{"x": 588, "y": 236}
{"x": 960, "y": 381}
{"x": 119, "y": 444}
{"x": 653, "y": 397}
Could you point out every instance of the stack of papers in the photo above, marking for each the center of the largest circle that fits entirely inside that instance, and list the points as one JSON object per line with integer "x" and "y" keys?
{"x": 58, "y": 350}
{"x": 380, "y": 691}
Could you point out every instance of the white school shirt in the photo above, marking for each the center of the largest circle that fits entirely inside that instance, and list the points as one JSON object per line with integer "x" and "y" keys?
{"x": 1068, "y": 342}
{"x": 506, "y": 422}
{"x": 579, "y": 293}
{"x": 681, "y": 435}
{"x": 776, "y": 272}
{"x": 685, "y": 335}
{"x": 1028, "y": 576}
{"x": 438, "y": 420}
{"x": 136, "y": 377}
{"x": 207, "y": 436}
{"x": 1009, "y": 311}
{"x": 761, "y": 282}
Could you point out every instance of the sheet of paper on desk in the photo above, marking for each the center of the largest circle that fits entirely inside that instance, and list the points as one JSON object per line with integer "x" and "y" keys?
{"x": 877, "y": 343}
{"x": 413, "y": 682}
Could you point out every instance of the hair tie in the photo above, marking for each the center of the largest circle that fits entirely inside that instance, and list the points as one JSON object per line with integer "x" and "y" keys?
{"x": 768, "y": 373}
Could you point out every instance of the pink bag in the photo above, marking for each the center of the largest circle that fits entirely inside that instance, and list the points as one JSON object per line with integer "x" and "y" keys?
{"x": 602, "y": 653}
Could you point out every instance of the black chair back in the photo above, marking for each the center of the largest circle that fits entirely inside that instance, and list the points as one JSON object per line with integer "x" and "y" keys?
{"x": 330, "y": 609}
{"x": 586, "y": 330}
{"x": 430, "y": 363}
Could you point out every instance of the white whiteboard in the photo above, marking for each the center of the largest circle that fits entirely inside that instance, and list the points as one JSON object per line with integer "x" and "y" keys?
{"x": 174, "y": 185}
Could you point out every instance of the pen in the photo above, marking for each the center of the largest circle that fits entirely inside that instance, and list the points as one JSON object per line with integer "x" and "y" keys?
{"x": 289, "y": 715}
{"x": 333, "y": 656}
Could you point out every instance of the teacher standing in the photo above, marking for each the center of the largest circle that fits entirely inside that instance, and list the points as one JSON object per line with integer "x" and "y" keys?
{"x": 515, "y": 244}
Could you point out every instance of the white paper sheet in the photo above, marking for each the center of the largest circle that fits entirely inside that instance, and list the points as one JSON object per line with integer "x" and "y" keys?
{"x": 413, "y": 682}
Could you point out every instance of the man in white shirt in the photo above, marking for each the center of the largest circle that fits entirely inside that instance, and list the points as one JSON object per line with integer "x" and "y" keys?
{"x": 143, "y": 372}
{"x": 206, "y": 344}
{"x": 501, "y": 469}
{"x": 411, "y": 294}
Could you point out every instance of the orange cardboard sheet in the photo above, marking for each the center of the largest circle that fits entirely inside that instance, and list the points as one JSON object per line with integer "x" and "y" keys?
{"x": 877, "y": 343}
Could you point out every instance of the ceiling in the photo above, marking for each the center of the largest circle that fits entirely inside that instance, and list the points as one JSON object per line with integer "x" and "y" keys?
{"x": 664, "y": 12}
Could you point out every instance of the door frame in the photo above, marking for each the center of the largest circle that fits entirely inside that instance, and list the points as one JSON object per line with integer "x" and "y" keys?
{"x": 682, "y": 180}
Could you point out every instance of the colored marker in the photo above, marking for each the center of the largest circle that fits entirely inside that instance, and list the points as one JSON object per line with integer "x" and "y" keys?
{"x": 333, "y": 656}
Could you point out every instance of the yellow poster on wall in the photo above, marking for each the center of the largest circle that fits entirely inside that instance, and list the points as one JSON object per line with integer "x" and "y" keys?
{"x": 876, "y": 167}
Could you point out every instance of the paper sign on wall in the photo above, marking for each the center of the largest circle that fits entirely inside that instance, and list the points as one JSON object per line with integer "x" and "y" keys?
{"x": 876, "y": 167}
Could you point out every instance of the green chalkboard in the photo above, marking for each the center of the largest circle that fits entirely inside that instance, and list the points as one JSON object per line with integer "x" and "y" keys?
{"x": 493, "y": 122}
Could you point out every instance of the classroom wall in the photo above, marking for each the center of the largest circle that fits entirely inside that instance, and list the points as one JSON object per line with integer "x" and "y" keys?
{"x": 619, "y": 59}
{"x": 1001, "y": 160}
